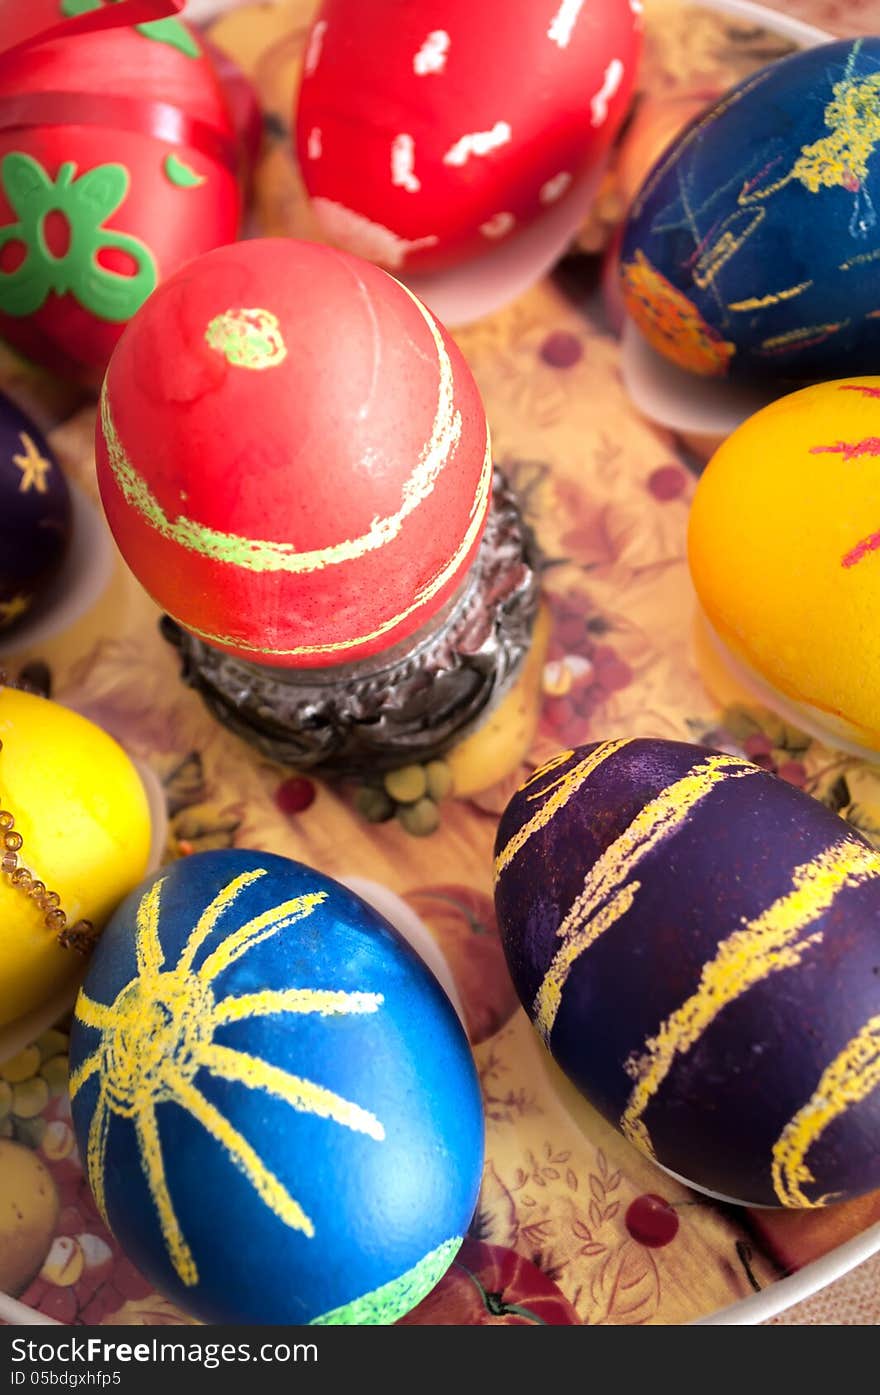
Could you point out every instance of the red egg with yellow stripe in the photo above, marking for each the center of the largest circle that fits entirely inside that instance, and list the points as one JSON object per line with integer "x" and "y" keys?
{"x": 293, "y": 454}
{"x": 698, "y": 944}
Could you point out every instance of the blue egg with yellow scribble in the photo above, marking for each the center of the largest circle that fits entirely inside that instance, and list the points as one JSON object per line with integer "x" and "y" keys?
{"x": 753, "y": 249}
{"x": 274, "y": 1100}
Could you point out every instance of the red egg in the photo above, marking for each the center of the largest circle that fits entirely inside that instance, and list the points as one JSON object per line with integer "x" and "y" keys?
{"x": 119, "y": 162}
{"x": 428, "y": 134}
{"x": 293, "y": 454}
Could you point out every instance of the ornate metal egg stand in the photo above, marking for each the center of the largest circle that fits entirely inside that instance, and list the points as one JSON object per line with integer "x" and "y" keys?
{"x": 407, "y": 705}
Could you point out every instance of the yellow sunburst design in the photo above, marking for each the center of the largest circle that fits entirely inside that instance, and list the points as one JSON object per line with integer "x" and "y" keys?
{"x": 159, "y": 1033}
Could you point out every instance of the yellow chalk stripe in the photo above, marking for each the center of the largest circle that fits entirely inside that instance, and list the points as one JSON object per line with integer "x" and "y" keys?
{"x": 837, "y": 160}
{"x": 150, "y": 1146}
{"x": 860, "y": 260}
{"x": 762, "y": 947}
{"x": 259, "y": 929}
{"x": 794, "y": 336}
{"x": 93, "y": 1014}
{"x": 763, "y": 302}
{"x": 147, "y": 946}
{"x": 584, "y": 921}
{"x": 850, "y": 1078}
{"x": 425, "y": 593}
{"x": 95, "y": 1151}
{"x": 561, "y": 758}
{"x": 83, "y": 1073}
{"x": 325, "y": 1001}
{"x": 549, "y": 998}
{"x": 695, "y": 133}
{"x": 303, "y": 1095}
{"x": 212, "y": 913}
{"x": 265, "y": 1183}
{"x": 716, "y": 257}
{"x": 563, "y": 790}
{"x": 265, "y": 555}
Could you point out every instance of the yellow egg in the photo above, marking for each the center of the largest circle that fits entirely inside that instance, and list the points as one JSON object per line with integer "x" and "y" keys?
{"x": 81, "y": 810}
{"x": 28, "y": 1212}
{"x": 784, "y": 551}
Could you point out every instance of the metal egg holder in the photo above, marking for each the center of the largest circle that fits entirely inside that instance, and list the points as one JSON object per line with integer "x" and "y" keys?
{"x": 405, "y": 706}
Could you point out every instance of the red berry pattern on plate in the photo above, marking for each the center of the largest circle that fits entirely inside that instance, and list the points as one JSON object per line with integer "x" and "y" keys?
{"x": 583, "y": 669}
{"x": 295, "y": 795}
{"x": 561, "y": 349}
{"x": 652, "y": 1221}
{"x": 667, "y": 482}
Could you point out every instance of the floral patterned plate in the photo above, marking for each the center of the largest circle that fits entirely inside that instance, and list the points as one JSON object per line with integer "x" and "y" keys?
{"x": 573, "y": 1225}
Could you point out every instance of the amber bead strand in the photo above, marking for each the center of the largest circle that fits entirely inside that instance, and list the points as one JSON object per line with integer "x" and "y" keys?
{"x": 79, "y": 936}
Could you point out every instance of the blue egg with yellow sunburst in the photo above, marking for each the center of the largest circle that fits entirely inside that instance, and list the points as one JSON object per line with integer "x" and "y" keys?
{"x": 752, "y": 250}
{"x": 275, "y": 1101}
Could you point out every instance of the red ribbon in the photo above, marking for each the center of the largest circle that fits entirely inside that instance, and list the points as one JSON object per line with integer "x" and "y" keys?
{"x": 159, "y": 119}
{"x": 110, "y": 16}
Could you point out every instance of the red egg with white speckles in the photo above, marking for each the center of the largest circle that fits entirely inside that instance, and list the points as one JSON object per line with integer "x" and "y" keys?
{"x": 293, "y": 454}
{"x": 429, "y": 134}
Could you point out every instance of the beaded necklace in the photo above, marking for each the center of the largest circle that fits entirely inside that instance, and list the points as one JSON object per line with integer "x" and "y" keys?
{"x": 81, "y": 935}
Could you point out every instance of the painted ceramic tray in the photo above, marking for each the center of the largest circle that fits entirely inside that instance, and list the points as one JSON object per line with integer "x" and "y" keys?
{"x": 573, "y": 1225}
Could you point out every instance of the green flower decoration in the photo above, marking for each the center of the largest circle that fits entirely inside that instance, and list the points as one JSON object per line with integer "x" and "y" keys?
{"x": 85, "y": 203}
{"x": 164, "y": 31}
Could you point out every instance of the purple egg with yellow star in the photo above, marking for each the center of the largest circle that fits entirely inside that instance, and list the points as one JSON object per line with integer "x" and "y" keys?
{"x": 35, "y": 514}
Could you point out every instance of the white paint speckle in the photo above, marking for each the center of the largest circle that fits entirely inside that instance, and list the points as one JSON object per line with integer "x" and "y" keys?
{"x": 431, "y": 57}
{"x": 563, "y": 22}
{"x": 316, "y": 43}
{"x": 637, "y": 7}
{"x": 403, "y": 159}
{"x": 315, "y": 146}
{"x": 599, "y": 104}
{"x": 555, "y": 187}
{"x": 499, "y": 225}
{"x": 478, "y": 143}
{"x": 365, "y": 238}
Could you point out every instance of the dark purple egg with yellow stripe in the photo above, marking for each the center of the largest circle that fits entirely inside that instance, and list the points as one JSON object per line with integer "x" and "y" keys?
{"x": 35, "y": 514}
{"x": 698, "y": 944}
